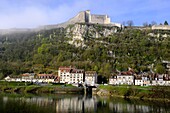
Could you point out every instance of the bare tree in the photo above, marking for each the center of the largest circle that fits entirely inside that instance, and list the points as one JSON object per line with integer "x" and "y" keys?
{"x": 145, "y": 24}
{"x": 130, "y": 23}
{"x": 153, "y": 23}
{"x": 123, "y": 23}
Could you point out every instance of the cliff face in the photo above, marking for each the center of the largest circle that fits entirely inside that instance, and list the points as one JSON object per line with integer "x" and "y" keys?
{"x": 77, "y": 33}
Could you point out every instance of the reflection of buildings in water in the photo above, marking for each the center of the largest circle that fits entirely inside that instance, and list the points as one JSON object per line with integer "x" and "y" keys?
{"x": 40, "y": 101}
{"x": 88, "y": 104}
{"x": 75, "y": 104}
{"x": 133, "y": 108}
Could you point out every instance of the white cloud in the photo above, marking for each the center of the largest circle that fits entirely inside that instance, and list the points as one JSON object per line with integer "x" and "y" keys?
{"x": 34, "y": 14}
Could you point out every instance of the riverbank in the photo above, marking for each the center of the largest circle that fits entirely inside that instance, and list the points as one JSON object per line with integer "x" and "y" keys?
{"x": 128, "y": 92}
{"x": 135, "y": 92}
{"x": 20, "y": 87}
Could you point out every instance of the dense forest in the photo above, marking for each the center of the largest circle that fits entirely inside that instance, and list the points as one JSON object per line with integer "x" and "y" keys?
{"x": 44, "y": 51}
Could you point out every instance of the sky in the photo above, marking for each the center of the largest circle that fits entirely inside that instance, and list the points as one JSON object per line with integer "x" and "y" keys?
{"x": 34, "y": 13}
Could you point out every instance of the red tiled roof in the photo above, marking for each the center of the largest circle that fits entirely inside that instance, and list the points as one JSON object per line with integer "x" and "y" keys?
{"x": 66, "y": 69}
{"x": 130, "y": 72}
{"x": 25, "y": 74}
{"x": 77, "y": 71}
{"x": 45, "y": 74}
{"x": 90, "y": 72}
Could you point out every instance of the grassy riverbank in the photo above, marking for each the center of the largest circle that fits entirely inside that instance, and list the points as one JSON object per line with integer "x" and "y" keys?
{"x": 140, "y": 92}
{"x": 20, "y": 87}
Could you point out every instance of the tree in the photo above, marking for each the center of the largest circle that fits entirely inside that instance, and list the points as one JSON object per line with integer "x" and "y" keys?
{"x": 107, "y": 70}
{"x": 153, "y": 23}
{"x": 96, "y": 68}
{"x": 166, "y": 23}
{"x": 160, "y": 69}
{"x": 145, "y": 24}
{"x": 130, "y": 23}
{"x": 123, "y": 23}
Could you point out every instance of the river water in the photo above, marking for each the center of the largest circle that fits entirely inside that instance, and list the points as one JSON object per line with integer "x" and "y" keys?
{"x": 71, "y": 103}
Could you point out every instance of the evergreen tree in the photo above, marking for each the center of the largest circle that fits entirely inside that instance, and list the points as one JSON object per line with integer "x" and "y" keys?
{"x": 166, "y": 23}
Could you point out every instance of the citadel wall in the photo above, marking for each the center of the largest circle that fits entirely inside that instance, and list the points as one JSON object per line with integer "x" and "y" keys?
{"x": 80, "y": 17}
{"x": 161, "y": 27}
{"x": 85, "y": 16}
{"x": 100, "y": 19}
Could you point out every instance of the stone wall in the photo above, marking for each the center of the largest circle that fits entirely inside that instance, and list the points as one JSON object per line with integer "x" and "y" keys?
{"x": 161, "y": 27}
{"x": 85, "y": 16}
{"x": 80, "y": 17}
{"x": 100, "y": 19}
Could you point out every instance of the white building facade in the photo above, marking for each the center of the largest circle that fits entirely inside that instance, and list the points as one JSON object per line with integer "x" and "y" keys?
{"x": 71, "y": 75}
{"x": 90, "y": 78}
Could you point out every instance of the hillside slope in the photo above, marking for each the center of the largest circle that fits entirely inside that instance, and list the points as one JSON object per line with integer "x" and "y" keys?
{"x": 88, "y": 46}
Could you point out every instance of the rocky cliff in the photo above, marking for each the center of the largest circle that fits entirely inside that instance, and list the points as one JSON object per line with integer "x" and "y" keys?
{"x": 79, "y": 32}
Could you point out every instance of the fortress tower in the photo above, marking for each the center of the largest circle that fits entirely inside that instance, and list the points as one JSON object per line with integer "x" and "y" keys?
{"x": 87, "y": 17}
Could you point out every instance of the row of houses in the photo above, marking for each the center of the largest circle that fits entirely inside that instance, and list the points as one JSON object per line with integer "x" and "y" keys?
{"x": 69, "y": 75}
{"x": 143, "y": 79}
{"x": 72, "y": 75}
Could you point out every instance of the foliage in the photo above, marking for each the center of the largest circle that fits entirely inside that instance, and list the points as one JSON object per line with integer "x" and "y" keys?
{"x": 44, "y": 51}
{"x": 165, "y": 23}
{"x": 155, "y": 92}
{"x": 160, "y": 69}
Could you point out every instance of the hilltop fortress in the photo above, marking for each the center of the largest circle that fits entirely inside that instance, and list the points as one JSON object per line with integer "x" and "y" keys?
{"x": 87, "y": 17}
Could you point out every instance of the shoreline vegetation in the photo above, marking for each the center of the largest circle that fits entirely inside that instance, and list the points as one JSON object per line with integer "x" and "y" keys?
{"x": 160, "y": 93}
{"x": 21, "y": 87}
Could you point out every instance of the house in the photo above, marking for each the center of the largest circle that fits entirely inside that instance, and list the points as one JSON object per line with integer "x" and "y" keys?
{"x": 160, "y": 79}
{"x": 122, "y": 78}
{"x": 113, "y": 80}
{"x": 167, "y": 66}
{"x": 76, "y": 76}
{"x": 46, "y": 78}
{"x": 126, "y": 78}
{"x": 8, "y": 78}
{"x": 13, "y": 78}
{"x": 142, "y": 79}
{"x": 90, "y": 78}
{"x": 71, "y": 75}
{"x": 27, "y": 77}
{"x": 64, "y": 74}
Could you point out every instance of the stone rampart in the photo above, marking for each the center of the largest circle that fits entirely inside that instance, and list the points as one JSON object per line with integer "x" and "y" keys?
{"x": 161, "y": 27}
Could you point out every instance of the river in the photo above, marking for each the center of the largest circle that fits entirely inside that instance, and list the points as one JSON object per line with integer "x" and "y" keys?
{"x": 71, "y": 103}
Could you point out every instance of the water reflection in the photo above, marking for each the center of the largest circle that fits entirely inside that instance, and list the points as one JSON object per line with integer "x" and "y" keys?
{"x": 61, "y": 103}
